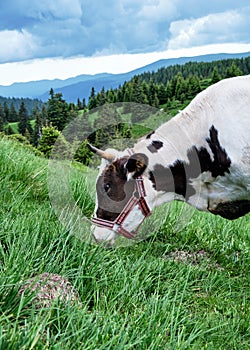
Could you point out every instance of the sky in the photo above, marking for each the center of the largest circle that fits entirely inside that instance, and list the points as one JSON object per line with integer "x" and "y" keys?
{"x": 51, "y": 39}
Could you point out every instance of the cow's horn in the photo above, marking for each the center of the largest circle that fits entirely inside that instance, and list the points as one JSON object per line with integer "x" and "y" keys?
{"x": 103, "y": 154}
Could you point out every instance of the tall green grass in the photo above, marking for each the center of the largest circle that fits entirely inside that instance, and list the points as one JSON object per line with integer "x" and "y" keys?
{"x": 135, "y": 297}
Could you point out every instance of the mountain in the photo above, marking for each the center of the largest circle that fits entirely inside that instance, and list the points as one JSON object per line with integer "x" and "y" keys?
{"x": 80, "y": 86}
{"x": 34, "y": 89}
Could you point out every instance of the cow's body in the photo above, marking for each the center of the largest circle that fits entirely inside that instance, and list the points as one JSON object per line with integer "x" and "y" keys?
{"x": 201, "y": 156}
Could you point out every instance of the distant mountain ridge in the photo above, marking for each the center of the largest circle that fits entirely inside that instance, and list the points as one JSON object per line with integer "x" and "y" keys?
{"x": 80, "y": 86}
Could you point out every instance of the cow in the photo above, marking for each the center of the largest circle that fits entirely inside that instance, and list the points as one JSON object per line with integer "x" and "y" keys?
{"x": 201, "y": 156}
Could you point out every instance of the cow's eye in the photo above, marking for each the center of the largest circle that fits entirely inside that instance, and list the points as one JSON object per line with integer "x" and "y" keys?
{"x": 106, "y": 187}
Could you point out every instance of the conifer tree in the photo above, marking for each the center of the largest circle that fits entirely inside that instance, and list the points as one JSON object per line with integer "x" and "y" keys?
{"x": 57, "y": 110}
{"x": 13, "y": 117}
{"x": 155, "y": 102}
{"x": 1, "y": 118}
{"x": 1, "y": 124}
{"x": 24, "y": 126}
{"x": 92, "y": 100}
{"x": 38, "y": 126}
{"x": 83, "y": 154}
{"x": 215, "y": 76}
{"x": 137, "y": 94}
{"x": 84, "y": 106}
{"x": 44, "y": 115}
{"x": 48, "y": 139}
{"x": 101, "y": 97}
{"x": 127, "y": 96}
{"x": 111, "y": 97}
{"x": 233, "y": 71}
{"x": 193, "y": 86}
{"x": 162, "y": 94}
{"x": 106, "y": 125}
{"x": 169, "y": 90}
{"x": 151, "y": 92}
{"x": 6, "y": 111}
{"x": 79, "y": 104}
{"x": 180, "y": 88}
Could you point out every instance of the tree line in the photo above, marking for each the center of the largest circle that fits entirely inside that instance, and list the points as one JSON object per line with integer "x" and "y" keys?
{"x": 178, "y": 82}
{"x": 164, "y": 88}
{"x": 12, "y": 104}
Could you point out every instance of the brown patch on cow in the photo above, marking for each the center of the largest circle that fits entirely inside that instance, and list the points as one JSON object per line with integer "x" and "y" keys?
{"x": 106, "y": 215}
{"x": 177, "y": 177}
{"x": 150, "y": 134}
{"x": 113, "y": 190}
{"x": 232, "y": 210}
{"x": 155, "y": 146}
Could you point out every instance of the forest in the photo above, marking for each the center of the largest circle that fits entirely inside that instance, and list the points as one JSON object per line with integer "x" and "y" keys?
{"x": 38, "y": 124}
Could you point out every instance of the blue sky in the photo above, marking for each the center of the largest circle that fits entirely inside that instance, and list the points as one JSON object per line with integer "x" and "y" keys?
{"x": 62, "y": 38}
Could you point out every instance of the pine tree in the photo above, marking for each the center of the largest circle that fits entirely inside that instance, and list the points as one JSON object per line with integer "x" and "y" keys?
{"x": 57, "y": 110}
{"x": 38, "y": 126}
{"x": 44, "y": 115}
{"x": 1, "y": 124}
{"x": 155, "y": 102}
{"x": 62, "y": 148}
{"x": 106, "y": 125}
{"x": 1, "y": 118}
{"x": 72, "y": 111}
{"x": 79, "y": 104}
{"x": 162, "y": 94}
{"x": 6, "y": 111}
{"x": 151, "y": 93}
{"x": 83, "y": 154}
{"x": 92, "y": 99}
{"x": 101, "y": 98}
{"x": 180, "y": 88}
{"x": 215, "y": 76}
{"x": 137, "y": 94}
{"x": 24, "y": 125}
{"x": 233, "y": 71}
{"x": 169, "y": 90}
{"x": 48, "y": 139}
{"x": 111, "y": 98}
{"x": 119, "y": 94}
{"x": 127, "y": 96}
{"x": 81, "y": 128}
{"x": 84, "y": 106}
{"x": 194, "y": 88}
{"x": 13, "y": 117}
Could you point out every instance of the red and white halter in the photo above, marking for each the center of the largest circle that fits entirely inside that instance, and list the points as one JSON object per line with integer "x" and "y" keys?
{"x": 138, "y": 199}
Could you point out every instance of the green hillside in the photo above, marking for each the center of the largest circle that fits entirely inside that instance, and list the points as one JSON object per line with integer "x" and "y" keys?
{"x": 179, "y": 289}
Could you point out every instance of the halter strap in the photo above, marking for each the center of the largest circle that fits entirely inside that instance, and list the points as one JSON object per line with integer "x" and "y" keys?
{"x": 138, "y": 198}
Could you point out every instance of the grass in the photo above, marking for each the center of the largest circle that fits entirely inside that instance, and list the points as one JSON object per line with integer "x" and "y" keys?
{"x": 135, "y": 297}
{"x": 14, "y": 125}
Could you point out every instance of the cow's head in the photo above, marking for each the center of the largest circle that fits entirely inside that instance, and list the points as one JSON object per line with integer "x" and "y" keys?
{"x": 115, "y": 190}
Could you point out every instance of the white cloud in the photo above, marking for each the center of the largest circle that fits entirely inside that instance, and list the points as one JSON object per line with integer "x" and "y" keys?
{"x": 60, "y": 9}
{"x": 92, "y": 27}
{"x": 15, "y": 43}
{"x": 231, "y": 26}
{"x": 159, "y": 10}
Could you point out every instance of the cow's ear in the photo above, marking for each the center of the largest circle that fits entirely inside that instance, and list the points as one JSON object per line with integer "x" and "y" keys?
{"x": 137, "y": 164}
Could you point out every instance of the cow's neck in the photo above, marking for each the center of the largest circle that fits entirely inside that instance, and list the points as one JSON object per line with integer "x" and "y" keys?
{"x": 182, "y": 165}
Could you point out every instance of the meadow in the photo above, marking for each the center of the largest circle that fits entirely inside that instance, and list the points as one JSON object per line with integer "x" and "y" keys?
{"x": 177, "y": 289}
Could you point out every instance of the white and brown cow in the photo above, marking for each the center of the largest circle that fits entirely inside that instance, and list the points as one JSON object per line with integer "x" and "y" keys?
{"x": 201, "y": 156}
